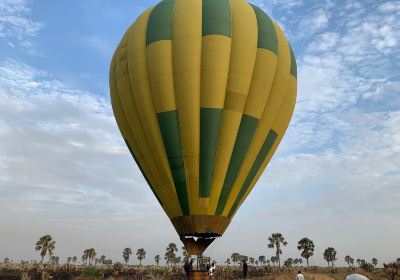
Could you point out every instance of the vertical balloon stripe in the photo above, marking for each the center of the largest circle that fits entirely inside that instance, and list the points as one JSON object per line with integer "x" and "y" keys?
{"x": 186, "y": 57}
{"x": 216, "y": 48}
{"x": 142, "y": 95}
{"x": 267, "y": 38}
{"x": 271, "y": 109}
{"x": 293, "y": 66}
{"x": 160, "y": 22}
{"x": 170, "y": 132}
{"x": 272, "y": 135}
{"x": 216, "y": 18}
{"x": 209, "y": 130}
{"x": 142, "y": 171}
{"x": 127, "y": 124}
{"x": 280, "y": 124}
{"x": 247, "y": 128}
{"x": 242, "y": 61}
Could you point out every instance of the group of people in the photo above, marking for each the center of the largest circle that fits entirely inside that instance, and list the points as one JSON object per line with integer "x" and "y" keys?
{"x": 210, "y": 268}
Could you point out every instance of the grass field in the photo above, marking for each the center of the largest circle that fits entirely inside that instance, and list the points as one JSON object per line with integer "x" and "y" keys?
{"x": 37, "y": 271}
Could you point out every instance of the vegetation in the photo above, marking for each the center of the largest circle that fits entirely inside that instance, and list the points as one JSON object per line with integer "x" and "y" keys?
{"x": 88, "y": 256}
{"x": 126, "y": 253}
{"x": 330, "y": 256}
{"x": 170, "y": 255}
{"x": 306, "y": 246}
{"x": 276, "y": 240}
{"x": 141, "y": 254}
{"x": 157, "y": 259}
{"x": 45, "y": 245}
{"x": 349, "y": 260}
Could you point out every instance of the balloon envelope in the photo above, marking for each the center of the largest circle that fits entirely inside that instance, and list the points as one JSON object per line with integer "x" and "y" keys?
{"x": 203, "y": 92}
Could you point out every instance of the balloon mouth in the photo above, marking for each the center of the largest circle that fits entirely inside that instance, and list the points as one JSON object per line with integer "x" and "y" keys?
{"x": 197, "y": 232}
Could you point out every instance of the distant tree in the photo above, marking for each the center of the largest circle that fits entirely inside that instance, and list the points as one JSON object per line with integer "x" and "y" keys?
{"x": 348, "y": 260}
{"x": 358, "y": 261}
{"x": 54, "y": 260}
{"x": 398, "y": 260}
{"x": 126, "y": 253}
{"x": 256, "y": 262}
{"x": 276, "y": 240}
{"x": 251, "y": 260}
{"x": 6, "y": 260}
{"x": 69, "y": 260}
{"x": 375, "y": 261}
{"x": 45, "y": 245}
{"x": 157, "y": 259}
{"x": 141, "y": 254}
{"x": 228, "y": 261}
{"x": 392, "y": 270}
{"x": 274, "y": 260}
{"x": 102, "y": 259}
{"x": 244, "y": 258}
{"x": 307, "y": 247}
{"x": 295, "y": 261}
{"x": 235, "y": 257}
{"x": 330, "y": 255}
{"x": 288, "y": 262}
{"x": 170, "y": 253}
{"x": 268, "y": 262}
{"x": 261, "y": 259}
{"x": 74, "y": 259}
{"x": 107, "y": 262}
{"x": 88, "y": 255}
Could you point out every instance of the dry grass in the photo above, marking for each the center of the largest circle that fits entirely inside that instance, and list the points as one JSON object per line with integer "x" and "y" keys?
{"x": 37, "y": 271}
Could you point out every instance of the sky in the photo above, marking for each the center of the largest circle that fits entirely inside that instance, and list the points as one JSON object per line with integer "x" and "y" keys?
{"x": 64, "y": 169}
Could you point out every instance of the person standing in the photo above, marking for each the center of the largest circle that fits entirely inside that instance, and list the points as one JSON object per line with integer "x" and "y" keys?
{"x": 299, "y": 276}
{"x": 211, "y": 271}
{"x": 245, "y": 268}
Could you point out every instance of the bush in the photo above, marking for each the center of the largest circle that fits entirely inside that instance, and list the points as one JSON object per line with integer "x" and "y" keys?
{"x": 366, "y": 266}
{"x": 92, "y": 271}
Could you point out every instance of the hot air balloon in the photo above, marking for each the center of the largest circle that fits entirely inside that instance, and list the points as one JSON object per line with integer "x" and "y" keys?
{"x": 203, "y": 92}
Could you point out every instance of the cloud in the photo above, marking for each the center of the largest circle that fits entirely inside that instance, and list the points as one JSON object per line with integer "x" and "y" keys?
{"x": 60, "y": 149}
{"x": 14, "y": 22}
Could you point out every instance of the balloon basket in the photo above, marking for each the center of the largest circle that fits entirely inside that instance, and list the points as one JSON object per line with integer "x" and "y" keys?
{"x": 198, "y": 275}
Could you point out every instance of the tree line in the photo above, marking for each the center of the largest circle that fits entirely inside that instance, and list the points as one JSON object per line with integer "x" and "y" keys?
{"x": 46, "y": 246}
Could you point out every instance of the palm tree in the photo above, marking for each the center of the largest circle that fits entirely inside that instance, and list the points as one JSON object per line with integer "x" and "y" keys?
{"x": 74, "y": 259}
{"x": 375, "y": 261}
{"x": 141, "y": 254}
{"x": 45, "y": 244}
{"x": 307, "y": 246}
{"x": 330, "y": 255}
{"x": 126, "y": 253}
{"x": 170, "y": 253}
{"x": 228, "y": 261}
{"x": 157, "y": 259}
{"x": 102, "y": 259}
{"x": 261, "y": 259}
{"x": 348, "y": 259}
{"x": 89, "y": 255}
{"x": 235, "y": 257}
{"x": 288, "y": 262}
{"x": 274, "y": 260}
{"x": 276, "y": 240}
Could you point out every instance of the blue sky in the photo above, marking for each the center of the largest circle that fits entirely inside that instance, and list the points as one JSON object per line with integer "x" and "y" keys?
{"x": 335, "y": 177}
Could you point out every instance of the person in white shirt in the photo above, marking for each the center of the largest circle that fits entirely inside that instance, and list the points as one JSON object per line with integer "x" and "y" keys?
{"x": 299, "y": 276}
{"x": 211, "y": 271}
